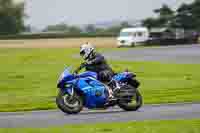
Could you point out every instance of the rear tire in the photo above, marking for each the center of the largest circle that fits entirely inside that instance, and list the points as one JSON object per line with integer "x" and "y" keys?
{"x": 128, "y": 107}
{"x": 69, "y": 106}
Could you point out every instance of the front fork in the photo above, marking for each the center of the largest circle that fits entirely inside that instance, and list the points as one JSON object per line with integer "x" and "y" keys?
{"x": 68, "y": 91}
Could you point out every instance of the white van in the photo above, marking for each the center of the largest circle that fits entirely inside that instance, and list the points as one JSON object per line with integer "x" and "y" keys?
{"x": 133, "y": 36}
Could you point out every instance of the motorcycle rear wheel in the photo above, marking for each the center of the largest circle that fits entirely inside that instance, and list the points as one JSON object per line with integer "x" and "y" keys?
{"x": 69, "y": 105}
{"x": 132, "y": 105}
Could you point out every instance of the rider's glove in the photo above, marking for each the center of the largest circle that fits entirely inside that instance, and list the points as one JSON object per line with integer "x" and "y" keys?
{"x": 83, "y": 65}
{"x": 80, "y": 67}
{"x": 76, "y": 71}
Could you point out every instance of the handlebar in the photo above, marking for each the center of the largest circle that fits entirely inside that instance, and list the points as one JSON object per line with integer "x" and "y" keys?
{"x": 80, "y": 67}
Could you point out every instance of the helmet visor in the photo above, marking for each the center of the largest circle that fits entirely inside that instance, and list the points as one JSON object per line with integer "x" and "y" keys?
{"x": 82, "y": 53}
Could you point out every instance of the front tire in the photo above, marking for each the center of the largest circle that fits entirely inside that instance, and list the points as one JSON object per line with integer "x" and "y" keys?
{"x": 128, "y": 106}
{"x": 69, "y": 105}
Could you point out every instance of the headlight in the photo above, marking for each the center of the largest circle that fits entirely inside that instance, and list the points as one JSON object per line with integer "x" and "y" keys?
{"x": 68, "y": 85}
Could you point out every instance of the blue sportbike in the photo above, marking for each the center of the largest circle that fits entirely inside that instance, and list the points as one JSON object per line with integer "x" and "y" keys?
{"x": 85, "y": 90}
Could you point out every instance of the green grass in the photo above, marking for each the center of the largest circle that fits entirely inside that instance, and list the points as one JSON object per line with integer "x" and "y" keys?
{"x": 28, "y": 78}
{"x": 175, "y": 126}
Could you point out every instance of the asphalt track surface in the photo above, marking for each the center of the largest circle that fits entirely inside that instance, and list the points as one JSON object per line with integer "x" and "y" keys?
{"x": 57, "y": 118}
{"x": 186, "y": 54}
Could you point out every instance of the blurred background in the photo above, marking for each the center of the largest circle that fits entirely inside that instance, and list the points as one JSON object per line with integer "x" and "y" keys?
{"x": 34, "y": 19}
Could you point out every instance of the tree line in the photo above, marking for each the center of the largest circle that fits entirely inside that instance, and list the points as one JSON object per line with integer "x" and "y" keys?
{"x": 11, "y": 17}
{"x": 90, "y": 29}
{"x": 186, "y": 16}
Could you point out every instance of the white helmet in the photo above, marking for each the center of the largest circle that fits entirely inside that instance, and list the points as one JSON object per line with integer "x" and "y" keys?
{"x": 86, "y": 51}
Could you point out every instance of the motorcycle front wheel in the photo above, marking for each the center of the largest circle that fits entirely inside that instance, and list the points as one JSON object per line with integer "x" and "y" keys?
{"x": 68, "y": 104}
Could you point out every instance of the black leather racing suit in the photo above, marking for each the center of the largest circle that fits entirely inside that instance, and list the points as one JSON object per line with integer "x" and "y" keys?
{"x": 99, "y": 65}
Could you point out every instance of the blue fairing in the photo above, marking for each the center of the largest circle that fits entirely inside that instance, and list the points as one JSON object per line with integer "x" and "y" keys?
{"x": 88, "y": 74}
{"x": 66, "y": 76}
{"x": 95, "y": 93}
{"x": 122, "y": 77}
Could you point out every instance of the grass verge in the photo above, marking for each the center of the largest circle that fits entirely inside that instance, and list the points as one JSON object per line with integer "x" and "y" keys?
{"x": 168, "y": 126}
{"x": 28, "y": 78}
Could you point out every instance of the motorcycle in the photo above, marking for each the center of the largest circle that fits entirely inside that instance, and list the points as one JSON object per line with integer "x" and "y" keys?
{"x": 85, "y": 90}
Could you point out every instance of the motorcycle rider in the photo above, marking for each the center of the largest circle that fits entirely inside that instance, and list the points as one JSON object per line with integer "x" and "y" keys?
{"x": 96, "y": 62}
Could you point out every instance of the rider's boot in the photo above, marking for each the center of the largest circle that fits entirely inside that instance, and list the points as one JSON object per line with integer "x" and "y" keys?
{"x": 114, "y": 85}
{"x": 111, "y": 95}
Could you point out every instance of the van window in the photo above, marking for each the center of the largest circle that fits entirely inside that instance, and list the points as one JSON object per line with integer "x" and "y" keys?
{"x": 125, "y": 33}
{"x": 133, "y": 34}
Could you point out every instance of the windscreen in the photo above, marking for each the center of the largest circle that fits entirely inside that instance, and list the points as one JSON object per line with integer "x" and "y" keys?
{"x": 124, "y": 34}
{"x": 65, "y": 73}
